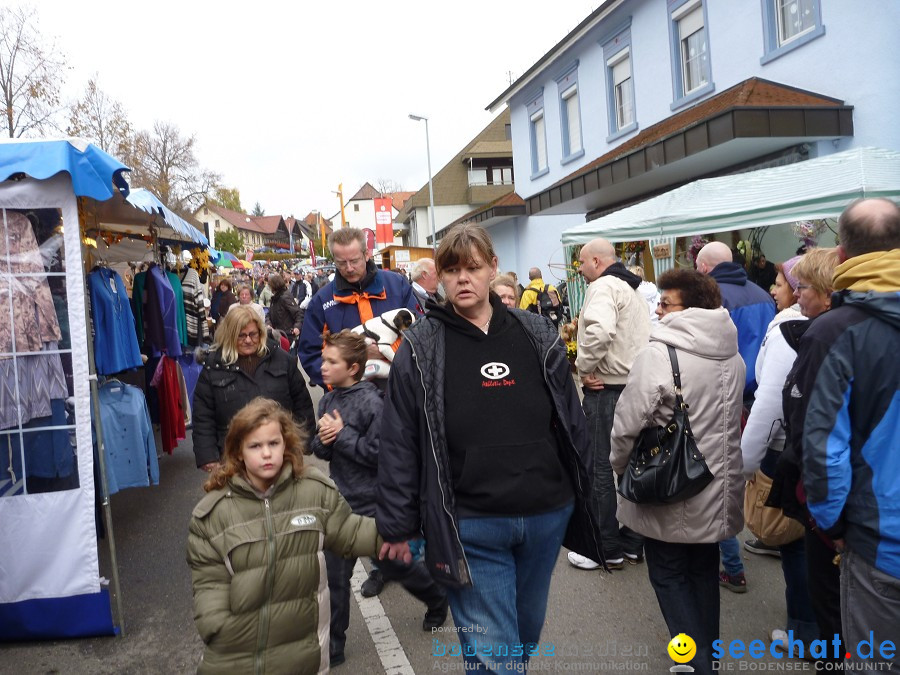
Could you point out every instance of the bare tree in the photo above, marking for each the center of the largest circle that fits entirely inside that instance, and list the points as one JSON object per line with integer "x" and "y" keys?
{"x": 102, "y": 120}
{"x": 388, "y": 186}
{"x": 31, "y": 74}
{"x": 163, "y": 161}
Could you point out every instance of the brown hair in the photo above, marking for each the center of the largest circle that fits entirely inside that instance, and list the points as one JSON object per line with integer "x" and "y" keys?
{"x": 352, "y": 347}
{"x": 816, "y": 269}
{"x": 225, "y": 281}
{"x": 249, "y": 418}
{"x": 456, "y": 247}
{"x": 697, "y": 290}
{"x": 869, "y": 230}
{"x": 230, "y": 327}
{"x": 276, "y": 283}
{"x": 346, "y": 236}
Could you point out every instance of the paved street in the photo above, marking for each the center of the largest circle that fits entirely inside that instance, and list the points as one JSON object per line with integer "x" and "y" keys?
{"x": 604, "y": 622}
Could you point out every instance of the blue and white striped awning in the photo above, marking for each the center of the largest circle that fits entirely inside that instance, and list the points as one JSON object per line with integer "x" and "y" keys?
{"x": 147, "y": 201}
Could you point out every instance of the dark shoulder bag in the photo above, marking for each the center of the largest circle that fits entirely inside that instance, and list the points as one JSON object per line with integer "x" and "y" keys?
{"x": 665, "y": 465}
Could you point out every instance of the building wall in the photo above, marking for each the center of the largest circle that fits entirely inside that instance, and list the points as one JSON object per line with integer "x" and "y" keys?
{"x": 854, "y": 61}
{"x": 532, "y": 241}
{"x": 443, "y": 216}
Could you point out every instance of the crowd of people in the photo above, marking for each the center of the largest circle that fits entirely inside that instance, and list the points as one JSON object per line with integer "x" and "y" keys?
{"x": 463, "y": 473}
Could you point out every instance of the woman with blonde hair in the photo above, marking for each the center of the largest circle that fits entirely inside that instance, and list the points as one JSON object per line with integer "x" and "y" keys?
{"x": 255, "y": 548}
{"x": 241, "y": 365}
{"x": 505, "y": 287}
{"x": 808, "y": 561}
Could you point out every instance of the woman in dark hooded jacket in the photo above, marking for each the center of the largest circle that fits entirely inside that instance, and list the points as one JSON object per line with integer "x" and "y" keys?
{"x": 483, "y": 448}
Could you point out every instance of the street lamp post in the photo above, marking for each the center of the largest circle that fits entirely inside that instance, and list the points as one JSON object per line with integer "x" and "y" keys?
{"x": 419, "y": 118}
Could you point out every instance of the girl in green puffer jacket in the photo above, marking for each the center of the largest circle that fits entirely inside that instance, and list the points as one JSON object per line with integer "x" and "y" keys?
{"x": 255, "y": 549}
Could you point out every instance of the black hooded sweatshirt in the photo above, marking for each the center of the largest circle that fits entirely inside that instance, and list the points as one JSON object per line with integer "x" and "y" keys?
{"x": 504, "y": 457}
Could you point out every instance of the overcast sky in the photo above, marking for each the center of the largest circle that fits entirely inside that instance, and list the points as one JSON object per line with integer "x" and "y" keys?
{"x": 288, "y": 99}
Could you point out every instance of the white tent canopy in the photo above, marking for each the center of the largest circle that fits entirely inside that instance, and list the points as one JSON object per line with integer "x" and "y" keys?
{"x": 815, "y": 189}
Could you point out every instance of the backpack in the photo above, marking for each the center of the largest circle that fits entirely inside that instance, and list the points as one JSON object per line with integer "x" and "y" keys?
{"x": 546, "y": 304}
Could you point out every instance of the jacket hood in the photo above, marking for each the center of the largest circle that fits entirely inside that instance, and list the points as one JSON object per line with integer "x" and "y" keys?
{"x": 619, "y": 271}
{"x": 729, "y": 273}
{"x": 884, "y": 306}
{"x": 705, "y": 332}
{"x": 878, "y": 271}
{"x": 446, "y": 314}
{"x": 787, "y": 314}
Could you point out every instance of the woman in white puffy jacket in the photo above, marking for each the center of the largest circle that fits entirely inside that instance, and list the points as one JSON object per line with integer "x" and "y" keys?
{"x": 802, "y": 291}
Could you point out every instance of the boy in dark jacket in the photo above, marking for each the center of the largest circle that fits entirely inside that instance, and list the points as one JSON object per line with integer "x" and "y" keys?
{"x": 348, "y": 438}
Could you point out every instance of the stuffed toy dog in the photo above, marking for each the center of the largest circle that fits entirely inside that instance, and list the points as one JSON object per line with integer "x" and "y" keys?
{"x": 384, "y": 331}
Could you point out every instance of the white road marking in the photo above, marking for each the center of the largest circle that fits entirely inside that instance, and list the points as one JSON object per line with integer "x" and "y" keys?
{"x": 388, "y": 646}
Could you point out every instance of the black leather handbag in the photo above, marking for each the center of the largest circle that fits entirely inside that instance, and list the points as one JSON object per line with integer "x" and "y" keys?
{"x": 665, "y": 465}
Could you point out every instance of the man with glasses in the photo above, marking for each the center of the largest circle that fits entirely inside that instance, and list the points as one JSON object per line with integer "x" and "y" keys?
{"x": 360, "y": 291}
{"x": 613, "y": 327}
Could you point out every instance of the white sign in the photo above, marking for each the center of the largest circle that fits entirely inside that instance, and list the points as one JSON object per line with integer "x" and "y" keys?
{"x": 401, "y": 256}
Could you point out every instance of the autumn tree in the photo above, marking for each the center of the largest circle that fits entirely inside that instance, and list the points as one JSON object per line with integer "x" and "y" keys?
{"x": 101, "y": 120}
{"x": 32, "y": 71}
{"x": 163, "y": 161}
{"x": 258, "y": 210}
{"x": 229, "y": 198}
{"x": 229, "y": 240}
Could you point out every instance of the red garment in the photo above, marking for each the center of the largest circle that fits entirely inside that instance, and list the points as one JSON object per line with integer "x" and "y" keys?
{"x": 171, "y": 411}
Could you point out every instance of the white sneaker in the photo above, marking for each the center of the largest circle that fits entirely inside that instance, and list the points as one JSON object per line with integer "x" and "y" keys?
{"x": 581, "y": 562}
{"x": 780, "y": 639}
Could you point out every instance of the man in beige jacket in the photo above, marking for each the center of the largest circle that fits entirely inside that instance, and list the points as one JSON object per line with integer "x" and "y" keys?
{"x": 613, "y": 327}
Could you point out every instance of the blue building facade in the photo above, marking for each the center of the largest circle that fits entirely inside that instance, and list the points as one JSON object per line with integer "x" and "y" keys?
{"x": 646, "y": 95}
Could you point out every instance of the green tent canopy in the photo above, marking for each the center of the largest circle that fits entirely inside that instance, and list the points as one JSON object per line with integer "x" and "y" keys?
{"x": 810, "y": 190}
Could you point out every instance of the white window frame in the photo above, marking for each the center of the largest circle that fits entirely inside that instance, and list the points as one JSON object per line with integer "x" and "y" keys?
{"x": 537, "y": 133}
{"x": 681, "y": 11}
{"x": 774, "y": 44}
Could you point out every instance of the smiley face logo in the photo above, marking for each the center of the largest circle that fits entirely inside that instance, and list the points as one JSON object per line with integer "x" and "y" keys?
{"x": 682, "y": 648}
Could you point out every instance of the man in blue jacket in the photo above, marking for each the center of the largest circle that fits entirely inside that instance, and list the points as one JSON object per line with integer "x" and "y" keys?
{"x": 847, "y": 397}
{"x": 750, "y": 307}
{"x": 751, "y": 310}
{"x": 359, "y": 292}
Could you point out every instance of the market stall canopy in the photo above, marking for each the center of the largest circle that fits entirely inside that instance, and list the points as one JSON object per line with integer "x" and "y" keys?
{"x": 147, "y": 201}
{"x": 94, "y": 173}
{"x": 815, "y": 189}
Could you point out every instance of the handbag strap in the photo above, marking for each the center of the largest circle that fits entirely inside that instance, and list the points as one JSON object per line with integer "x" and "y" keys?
{"x": 676, "y": 375}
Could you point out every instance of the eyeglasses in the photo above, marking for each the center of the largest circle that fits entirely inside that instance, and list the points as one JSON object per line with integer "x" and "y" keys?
{"x": 346, "y": 264}
{"x": 253, "y": 337}
{"x": 803, "y": 287}
{"x": 666, "y": 305}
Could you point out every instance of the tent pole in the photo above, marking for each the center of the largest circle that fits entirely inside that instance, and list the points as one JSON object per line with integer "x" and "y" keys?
{"x": 104, "y": 486}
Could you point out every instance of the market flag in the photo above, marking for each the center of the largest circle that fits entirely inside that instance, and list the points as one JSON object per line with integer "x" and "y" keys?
{"x": 384, "y": 229}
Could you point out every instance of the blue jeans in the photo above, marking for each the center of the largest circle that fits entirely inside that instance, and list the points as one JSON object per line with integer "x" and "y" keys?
{"x": 684, "y": 579}
{"x": 800, "y": 616}
{"x": 511, "y": 560}
{"x": 731, "y": 556}
{"x": 600, "y": 410}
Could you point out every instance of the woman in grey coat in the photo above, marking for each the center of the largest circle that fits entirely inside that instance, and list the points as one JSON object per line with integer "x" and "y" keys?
{"x": 682, "y": 538}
